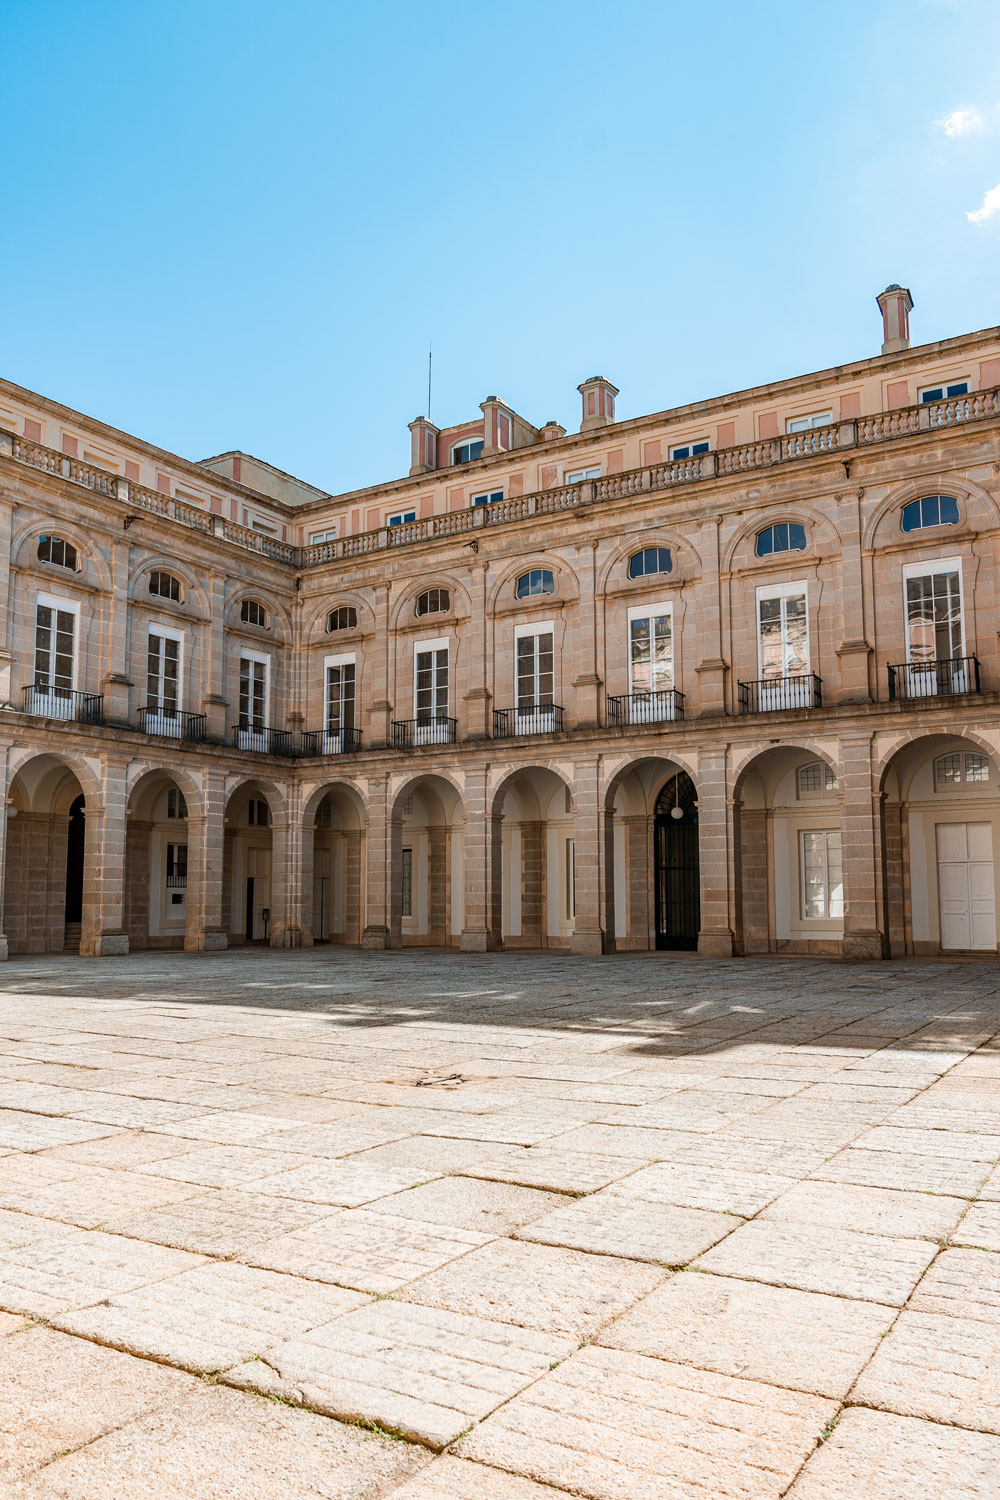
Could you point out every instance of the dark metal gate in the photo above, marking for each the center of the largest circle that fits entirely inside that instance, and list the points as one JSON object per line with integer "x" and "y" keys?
{"x": 675, "y": 855}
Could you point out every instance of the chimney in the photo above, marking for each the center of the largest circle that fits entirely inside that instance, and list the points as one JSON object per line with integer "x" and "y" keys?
{"x": 498, "y": 426}
{"x": 598, "y": 402}
{"x": 423, "y": 445}
{"x": 550, "y": 431}
{"x": 895, "y": 303}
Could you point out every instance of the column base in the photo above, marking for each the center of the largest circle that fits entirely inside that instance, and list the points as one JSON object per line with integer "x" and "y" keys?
{"x": 475, "y": 940}
{"x": 287, "y": 937}
{"x": 107, "y": 945}
{"x": 3, "y": 948}
{"x": 211, "y": 940}
{"x": 863, "y": 947}
{"x": 715, "y": 944}
{"x": 375, "y": 938}
{"x": 589, "y": 944}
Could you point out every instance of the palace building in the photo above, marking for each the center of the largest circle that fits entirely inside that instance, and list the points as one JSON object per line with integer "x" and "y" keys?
{"x": 722, "y": 678}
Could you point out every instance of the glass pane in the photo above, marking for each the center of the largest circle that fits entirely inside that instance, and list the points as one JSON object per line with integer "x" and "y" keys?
{"x": 977, "y": 768}
{"x": 814, "y": 876}
{"x": 640, "y": 655}
{"x": 948, "y": 769}
{"x": 796, "y": 647}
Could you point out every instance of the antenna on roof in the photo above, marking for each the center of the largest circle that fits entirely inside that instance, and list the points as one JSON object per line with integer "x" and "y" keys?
{"x": 429, "y": 356}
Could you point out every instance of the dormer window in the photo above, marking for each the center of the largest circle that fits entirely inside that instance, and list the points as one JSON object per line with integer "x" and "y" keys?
{"x": 538, "y": 581}
{"x": 54, "y": 549}
{"x": 252, "y": 612}
{"x": 165, "y": 586}
{"x": 787, "y": 536}
{"x": 345, "y": 617}
{"x": 433, "y": 602}
{"x": 650, "y": 560}
{"x": 931, "y": 510}
{"x": 468, "y": 452}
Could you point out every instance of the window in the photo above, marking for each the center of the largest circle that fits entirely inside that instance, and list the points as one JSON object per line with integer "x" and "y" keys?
{"x": 267, "y": 530}
{"x": 806, "y": 424}
{"x": 533, "y": 649}
{"x": 433, "y": 602}
{"x": 176, "y": 805}
{"x": 55, "y": 656}
{"x": 467, "y": 453}
{"x": 690, "y": 450}
{"x": 821, "y": 872}
{"x": 344, "y": 617}
{"x": 253, "y": 694}
{"x": 783, "y": 633}
{"x": 340, "y": 684}
{"x": 430, "y": 684}
{"x": 317, "y": 537}
{"x": 258, "y": 813}
{"x": 816, "y": 779}
{"x": 577, "y": 476}
{"x": 165, "y": 586}
{"x": 950, "y": 770}
{"x": 787, "y": 536}
{"x": 931, "y": 510}
{"x": 650, "y": 649}
{"x": 177, "y": 865}
{"x": 163, "y": 680}
{"x": 538, "y": 581}
{"x": 490, "y": 498}
{"x": 942, "y": 392}
{"x": 252, "y": 612}
{"x": 650, "y": 560}
{"x": 54, "y": 549}
{"x": 402, "y": 518}
{"x": 934, "y": 612}
{"x": 406, "y": 883}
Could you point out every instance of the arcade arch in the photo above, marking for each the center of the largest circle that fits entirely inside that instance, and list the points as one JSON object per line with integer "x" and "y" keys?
{"x": 426, "y": 864}
{"x": 534, "y": 845}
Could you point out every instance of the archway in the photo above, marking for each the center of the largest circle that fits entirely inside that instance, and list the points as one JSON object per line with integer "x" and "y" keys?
{"x": 653, "y": 884}
{"x": 43, "y": 903}
{"x": 788, "y": 858}
{"x": 333, "y": 865}
{"x": 534, "y": 826}
{"x": 426, "y": 864}
{"x": 248, "y": 907}
{"x": 156, "y": 861}
{"x": 941, "y": 843}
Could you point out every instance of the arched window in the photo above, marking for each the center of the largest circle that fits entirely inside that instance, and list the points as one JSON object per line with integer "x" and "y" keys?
{"x": 54, "y": 549}
{"x": 467, "y": 453}
{"x": 538, "y": 581}
{"x": 931, "y": 510}
{"x": 433, "y": 602}
{"x": 252, "y": 612}
{"x": 787, "y": 536}
{"x": 650, "y": 560}
{"x": 344, "y": 617}
{"x": 258, "y": 813}
{"x": 164, "y": 586}
{"x": 952, "y": 770}
{"x": 816, "y": 779}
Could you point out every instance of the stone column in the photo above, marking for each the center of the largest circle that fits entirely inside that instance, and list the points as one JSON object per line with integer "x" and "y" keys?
{"x": 587, "y": 682}
{"x": 439, "y": 883}
{"x": 534, "y": 926}
{"x": 590, "y": 857}
{"x": 205, "y": 930}
{"x": 715, "y": 938}
{"x": 138, "y": 871}
{"x": 376, "y": 932}
{"x": 479, "y": 931}
{"x": 861, "y": 848}
{"x": 8, "y": 626}
{"x": 4, "y": 764}
{"x": 380, "y": 689}
{"x": 640, "y": 916}
{"x": 102, "y": 932}
{"x": 751, "y": 879}
{"x": 285, "y": 929}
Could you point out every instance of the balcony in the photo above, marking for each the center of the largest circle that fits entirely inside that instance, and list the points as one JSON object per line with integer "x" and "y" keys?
{"x": 175, "y": 725}
{"x": 529, "y": 718}
{"x": 263, "y": 741}
{"x": 934, "y": 679}
{"x": 331, "y": 741}
{"x": 775, "y": 694}
{"x": 662, "y": 707}
{"x": 407, "y": 733}
{"x": 62, "y": 703}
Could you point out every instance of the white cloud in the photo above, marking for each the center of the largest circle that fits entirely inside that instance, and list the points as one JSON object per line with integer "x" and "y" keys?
{"x": 988, "y": 208}
{"x": 959, "y": 122}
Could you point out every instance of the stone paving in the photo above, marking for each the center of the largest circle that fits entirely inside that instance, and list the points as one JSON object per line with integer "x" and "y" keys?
{"x": 339, "y": 1226}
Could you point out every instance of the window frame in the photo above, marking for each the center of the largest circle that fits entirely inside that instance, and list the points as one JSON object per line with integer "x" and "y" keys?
{"x": 828, "y": 787}
{"x": 343, "y": 659}
{"x": 928, "y": 394}
{"x": 931, "y": 525}
{"x": 828, "y": 915}
{"x": 661, "y": 607}
{"x": 789, "y": 590}
{"x": 526, "y": 631}
{"x": 580, "y": 476}
{"x": 422, "y": 614}
{"x": 47, "y": 562}
{"x": 488, "y": 497}
{"x": 166, "y": 632}
{"x": 808, "y": 422}
{"x": 167, "y": 598}
{"x": 927, "y": 569}
{"x": 246, "y": 602}
{"x": 68, "y": 606}
{"x": 694, "y": 448}
{"x": 542, "y": 593}
{"x": 317, "y": 538}
{"x": 780, "y": 551}
{"x": 647, "y": 573}
{"x": 401, "y": 518}
{"x": 336, "y": 629}
{"x": 247, "y": 654}
{"x": 466, "y": 443}
{"x": 436, "y": 643}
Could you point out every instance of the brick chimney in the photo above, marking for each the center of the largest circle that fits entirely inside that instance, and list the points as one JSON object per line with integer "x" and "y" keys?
{"x": 598, "y": 402}
{"x": 896, "y": 304}
{"x": 423, "y": 445}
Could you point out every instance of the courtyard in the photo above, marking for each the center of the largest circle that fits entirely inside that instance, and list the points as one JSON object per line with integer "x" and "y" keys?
{"x": 434, "y": 1226}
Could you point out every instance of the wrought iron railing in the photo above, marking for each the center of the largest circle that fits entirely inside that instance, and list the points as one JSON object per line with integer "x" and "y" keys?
{"x": 773, "y": 694}
{"x": 63, "y": 703}
{"x": 177, "y": 882}
{"x": 263, "y": 741}
{"x": 176, "y": 725}
{"x": 528, "y": 718}
{"x": 934, "y": 679}
{"x": 407, "y": 733}
{"x": 330, "y": 741}
{"x": 661, "y": 707}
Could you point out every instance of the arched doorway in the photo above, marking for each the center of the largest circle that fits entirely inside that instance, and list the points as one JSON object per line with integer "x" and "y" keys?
{"x": 247, "y": 870}
{"x": 43, "y": 890}
{"x": 156, "y": 862}
{"x": 333, "y": 858}
{"x": 676, "y": 867}
{"x": 427, "y": 858}
{"x": 534, "y": 826}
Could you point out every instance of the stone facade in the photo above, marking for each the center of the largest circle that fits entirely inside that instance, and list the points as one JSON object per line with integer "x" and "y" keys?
{"x": 235, "y": 714}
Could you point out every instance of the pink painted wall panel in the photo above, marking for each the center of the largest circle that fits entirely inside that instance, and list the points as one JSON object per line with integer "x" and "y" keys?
{"x": 897, "y": 393}
{"x": 767, "y": 424}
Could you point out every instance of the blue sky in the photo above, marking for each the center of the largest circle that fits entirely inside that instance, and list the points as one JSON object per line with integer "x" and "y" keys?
{"x": 235, "y": 224}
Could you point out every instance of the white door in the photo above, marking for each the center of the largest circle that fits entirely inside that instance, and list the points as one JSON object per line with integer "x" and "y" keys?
{"x": 259, "y": 871}
{"x": 965, "y": 885}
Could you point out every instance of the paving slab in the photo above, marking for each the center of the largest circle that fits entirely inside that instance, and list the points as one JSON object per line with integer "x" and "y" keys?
{"x": 456, "y": 1479}
{"x": 58, "y": 1393}
{"x": 358, "y": 1132}
{"x": 223, "y": 1166}
{"x": 552, "y": 1169}
{"x": 803, "y": 1340}
{"x": 547, "y": 1287}
{"x": 124, "y": 1148}
{"x": 929, "y": 1216}
{"x": 20, "y": 1131}
{"x": 940, "y": 1366}
{"x": 645, "y": 1145}
{"x": 339, "y": 1181}
{"x": 904, "y": 1170}
{"x": 432, "y": 1154}
{"x": 77, "y": 1194}
{"x": 64, "y": 1270}
{"x": 371, "y": 1252}
{"x": 220, "y": 1444}
{"x": 223, "y": 1223}
{"x": 980, "y": 1227}
{"x": 687, "y": 1185}
{"x": 212, "y": 1316}
{"x": 732, "y": 1151}
{"x": 950, "y": 1145}
{"x": 421, "y": 1371}
{"x": 871, "y": 1267}
{"x": 616, "y": 1426}
{"x": 606, "y": 1224}
{"x": 962, "y": 1283}
{"x": 874, "y": 1456}
{"x": 235, "y": 1128}
{"x": 490, "y": 1208}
